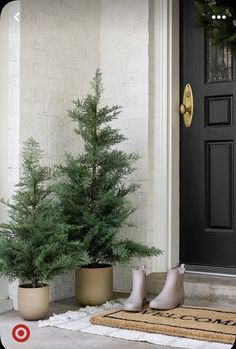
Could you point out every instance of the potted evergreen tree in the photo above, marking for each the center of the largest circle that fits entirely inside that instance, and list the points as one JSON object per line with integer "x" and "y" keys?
{"x": 34, "y": 245}
{"x": 93, "y": 193}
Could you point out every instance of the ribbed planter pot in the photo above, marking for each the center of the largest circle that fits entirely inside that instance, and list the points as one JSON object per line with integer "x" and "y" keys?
{"x": 33, "y": 302}
{"x": 94, "y": 286}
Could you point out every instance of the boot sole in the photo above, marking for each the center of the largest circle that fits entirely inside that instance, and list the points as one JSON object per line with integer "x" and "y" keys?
{"x": 179, "y": 304}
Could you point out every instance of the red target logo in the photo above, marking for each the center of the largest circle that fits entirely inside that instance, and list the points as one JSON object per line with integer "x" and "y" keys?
{"x": 21, "y": 333}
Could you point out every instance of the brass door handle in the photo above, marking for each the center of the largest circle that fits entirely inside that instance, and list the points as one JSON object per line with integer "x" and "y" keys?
{"x": 186, "y": 108}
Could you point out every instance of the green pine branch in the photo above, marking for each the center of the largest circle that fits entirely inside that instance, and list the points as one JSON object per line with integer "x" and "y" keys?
{"x": 34, "y": 243}
{"x": 93, "y": 190}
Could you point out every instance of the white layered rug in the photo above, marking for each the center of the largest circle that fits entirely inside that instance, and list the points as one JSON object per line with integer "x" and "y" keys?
{"x": 79, "y": 321}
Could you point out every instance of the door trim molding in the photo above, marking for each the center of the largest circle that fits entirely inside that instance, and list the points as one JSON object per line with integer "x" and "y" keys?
{"x": 166, "y": 131}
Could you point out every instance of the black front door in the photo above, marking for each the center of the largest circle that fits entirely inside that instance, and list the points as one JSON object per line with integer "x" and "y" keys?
{"x": 208, "y": 148}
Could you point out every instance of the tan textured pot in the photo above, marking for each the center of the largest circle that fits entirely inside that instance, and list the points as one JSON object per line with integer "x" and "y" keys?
{"x": 94, "y": 286}
{"x": 33, "y": 302}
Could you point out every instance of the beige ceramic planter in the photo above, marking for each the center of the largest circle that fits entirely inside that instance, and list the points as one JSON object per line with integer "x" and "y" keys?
{"x": 33, "y": 302}
{"x": 94, "y": 286}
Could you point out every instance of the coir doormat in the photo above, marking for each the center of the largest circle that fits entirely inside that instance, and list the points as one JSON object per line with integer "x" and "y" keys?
{"x": 185, "y": 321}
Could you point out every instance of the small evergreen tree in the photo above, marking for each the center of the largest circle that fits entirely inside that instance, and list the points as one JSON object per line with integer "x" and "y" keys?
{"x": 93, "y": 191}
{"x": 34, "y": 243}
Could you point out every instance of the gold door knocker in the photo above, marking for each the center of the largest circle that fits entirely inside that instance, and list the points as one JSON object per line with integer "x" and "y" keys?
{"x": 186, "y": 108}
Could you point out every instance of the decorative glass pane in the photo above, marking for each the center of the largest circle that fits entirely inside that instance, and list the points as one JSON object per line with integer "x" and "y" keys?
{"x": 219, "y": 62}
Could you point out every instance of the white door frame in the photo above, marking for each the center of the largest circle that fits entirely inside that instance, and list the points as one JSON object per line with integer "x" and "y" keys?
{"x": 166, "y": 129}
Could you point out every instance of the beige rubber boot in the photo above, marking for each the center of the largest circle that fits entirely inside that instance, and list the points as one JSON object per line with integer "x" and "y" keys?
{"x": 172, "y": 294}
{"x": 138, "y": 294}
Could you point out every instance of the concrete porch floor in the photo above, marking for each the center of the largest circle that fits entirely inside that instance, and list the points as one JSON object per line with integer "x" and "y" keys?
{"x": 55, "y": 338}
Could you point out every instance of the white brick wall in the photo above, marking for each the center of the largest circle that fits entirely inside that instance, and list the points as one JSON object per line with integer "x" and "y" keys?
{"x": 53, "y": 54}
{"x": 62, "y": 44}
{"x": 124, "y": 61}
{"x": 9, "y": 111}
{"x": 14, "y": 112}
{"x": 59, "y": 55}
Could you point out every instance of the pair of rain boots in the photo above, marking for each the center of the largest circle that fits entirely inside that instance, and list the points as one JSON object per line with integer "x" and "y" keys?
{"x": 170, "y": 297}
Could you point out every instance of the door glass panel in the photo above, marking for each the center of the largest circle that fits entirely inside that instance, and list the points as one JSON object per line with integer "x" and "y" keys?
{"x": 218, "y": 62}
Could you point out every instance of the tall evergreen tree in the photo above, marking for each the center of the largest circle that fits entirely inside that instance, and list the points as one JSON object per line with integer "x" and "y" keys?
{"x": 34, "y": 243}
{"x": 93, "y": 189}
